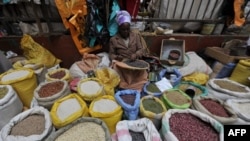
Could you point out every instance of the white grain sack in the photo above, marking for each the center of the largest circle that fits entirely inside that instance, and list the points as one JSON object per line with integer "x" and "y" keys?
{"x": 15, "y": 75}
{"x": 90, "y": 87}
{"x": 86, "y": 131}
{"x": 104, "y": 106}
{"x": 243, "y": 107}
{"x": 67, "y": 108}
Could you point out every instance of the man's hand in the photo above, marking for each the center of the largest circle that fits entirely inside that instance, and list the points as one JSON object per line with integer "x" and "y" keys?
{"x": 133, "y": 57}
{"x": 119, "y": 58}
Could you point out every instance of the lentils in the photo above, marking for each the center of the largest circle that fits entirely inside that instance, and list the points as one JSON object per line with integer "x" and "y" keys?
{"x": 58, "y": 75}
{"x": 86, "y": 131}
{"x": 50, "y": 89}
{"x": 31, "y": 125}
{"x": 128, "y": 98}
{"x": 214, "y": 107}
{"x": 230, "y": 86}
{"x": 151, "y": 87}
{"x": 152, "y": 106}
{"x": 3, "y": 92}
{"x": 176, "y": 97}
{"x": 186, "y": 126}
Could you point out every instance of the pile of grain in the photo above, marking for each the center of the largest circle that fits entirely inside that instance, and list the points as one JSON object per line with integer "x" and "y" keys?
{"x": 85, "y": 131}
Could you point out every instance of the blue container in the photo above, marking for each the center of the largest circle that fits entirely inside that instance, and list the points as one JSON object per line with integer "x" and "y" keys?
{"x": 131, "y": 111}
{"x": 226, "y": 71}
{"x": 175, "y": 71}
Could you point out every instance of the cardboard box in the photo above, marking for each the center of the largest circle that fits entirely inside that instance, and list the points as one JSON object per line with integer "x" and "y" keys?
{"x": 172, "y": 52}
{"x": 223, "y": 55}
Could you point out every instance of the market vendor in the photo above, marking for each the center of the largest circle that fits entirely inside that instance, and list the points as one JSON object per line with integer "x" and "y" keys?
{"x": 126, "y": 44}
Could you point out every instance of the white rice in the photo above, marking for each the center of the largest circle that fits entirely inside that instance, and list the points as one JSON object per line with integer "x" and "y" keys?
{"x": 90, "y": 87}
{"x": 67, "y": 108}
{"x": 104, "y": 106}
{"x": 15, "y": 75}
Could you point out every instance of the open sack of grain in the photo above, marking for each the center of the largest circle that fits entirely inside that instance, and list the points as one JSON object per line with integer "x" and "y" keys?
{"x": 130, "y": 102}
{"x": 227, "y": 89}
{"x": 23, "y": 81}
{"x": 182, "y": 124}
{"x": 241, "y": 108}
{"x": 10, "y": 104}
{"x": 150, "y": 88}
{"x": 215, "y": 108}
{"x": 176, "y": 99}
{"x": 192, "y": 89}
{"x": 166, "y": 73}
{"x": 83, "y": 129}
{"x": 133, "y": 74}
{"x": 89, "y": 62}
{"x": 31, "y": 125}
{"x": 48, "y": 92}
{"x": 37, "y": 54}
{"x": 109, "y": 78}
{"x": 136, "y": 130}
{"x": 39, "y": 69}
{"x": 58, "y": 74}
{"x": 152, "y": 108}
{"x": 90, "y": 89}
{"x": 107, "y": 109}
{"x": 68, "y": 109}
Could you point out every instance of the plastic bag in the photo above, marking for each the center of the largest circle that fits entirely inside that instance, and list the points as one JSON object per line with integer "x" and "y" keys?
{"x": 37, "y": 54}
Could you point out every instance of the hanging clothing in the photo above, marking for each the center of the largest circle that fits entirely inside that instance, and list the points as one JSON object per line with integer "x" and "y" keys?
{"x": 132, "y": 6}
{"x": 239, "y": 19}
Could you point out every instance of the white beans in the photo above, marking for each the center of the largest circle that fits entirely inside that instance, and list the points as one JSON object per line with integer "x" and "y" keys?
{"x": 86, "y": 131}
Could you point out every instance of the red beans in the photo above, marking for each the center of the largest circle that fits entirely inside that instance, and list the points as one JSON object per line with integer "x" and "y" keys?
{"x": 214, "y": 107}
{"x": 58, "y": 74}
{"x": 187, "y": 127}
{"x": 128, "y": 98}
{"x": 50, "y": 89}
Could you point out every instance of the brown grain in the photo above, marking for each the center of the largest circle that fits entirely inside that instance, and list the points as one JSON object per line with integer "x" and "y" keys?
{"x": 230, "y": 86}
{"x": 50, "y": 89}
{"x": 58, "y": 74}
{"x": 176, "y": 97}
{"x": 31, "y": 125}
